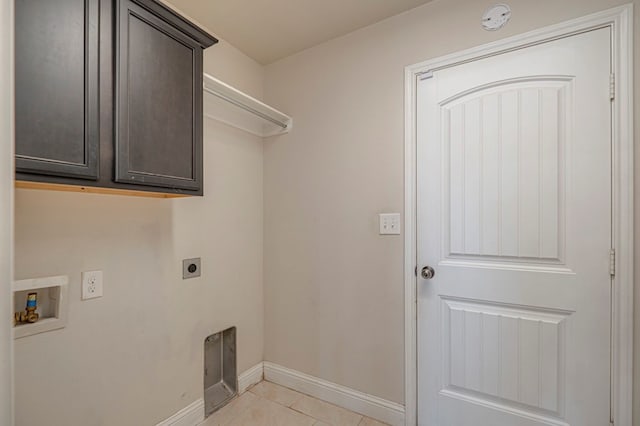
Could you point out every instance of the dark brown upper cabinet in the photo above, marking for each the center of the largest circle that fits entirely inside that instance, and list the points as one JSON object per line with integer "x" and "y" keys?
{"x": 158, "y": 101}
{"x": 57, "y": 99}
{"x": 108, "y": 97}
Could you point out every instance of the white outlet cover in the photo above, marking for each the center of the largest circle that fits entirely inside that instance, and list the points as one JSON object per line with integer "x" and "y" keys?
{"x": 390, "y": 224}
{"x": 91, "y": 284}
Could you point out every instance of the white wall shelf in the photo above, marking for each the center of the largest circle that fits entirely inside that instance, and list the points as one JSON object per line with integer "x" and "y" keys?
{"x": 52, "y": 304}
{"x": 229, "y": 105}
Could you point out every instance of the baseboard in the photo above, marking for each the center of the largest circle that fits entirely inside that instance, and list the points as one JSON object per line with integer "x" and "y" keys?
{"x": 368, "y": 405}
{"x": 250, "y": 377}
{"x": 342, "y": 396}
{"x": 191, "y": 415}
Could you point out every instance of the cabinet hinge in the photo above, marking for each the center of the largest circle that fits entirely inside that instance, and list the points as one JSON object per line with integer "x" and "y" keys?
{"x": 612, "y": 86}
{"x": 612, "y": 262}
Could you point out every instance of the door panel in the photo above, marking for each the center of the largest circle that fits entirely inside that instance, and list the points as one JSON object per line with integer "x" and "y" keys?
{"x": 57, "y": 101}
{"x": 514, "y": 214}
{"x": 158, "y": 66}
{"x": 495, "y": 154}
{"x": 503, "y": 351}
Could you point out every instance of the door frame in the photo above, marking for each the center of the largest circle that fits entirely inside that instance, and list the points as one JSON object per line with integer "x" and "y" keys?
{"x": 6, "y": 208}
{"x": 619, "y": 19}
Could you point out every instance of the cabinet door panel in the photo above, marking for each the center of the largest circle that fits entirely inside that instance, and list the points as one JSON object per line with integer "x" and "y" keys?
{"x": 159, "y": 100}
{"x": 57, "y": 101}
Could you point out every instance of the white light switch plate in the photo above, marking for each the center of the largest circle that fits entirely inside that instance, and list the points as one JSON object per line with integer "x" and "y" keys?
{"x": 91, "y": 284}
{"x": 390, "y": 224}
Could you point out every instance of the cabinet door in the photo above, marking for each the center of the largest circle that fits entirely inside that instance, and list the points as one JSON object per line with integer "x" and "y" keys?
{"x": 57, "y": 102}
{"x": 158, "y": 102}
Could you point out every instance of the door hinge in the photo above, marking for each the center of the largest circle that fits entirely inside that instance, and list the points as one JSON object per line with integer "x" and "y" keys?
{"x": 612, "y": 262}
{"x": 425, "y": 75}
{"x": 612, "y": 86}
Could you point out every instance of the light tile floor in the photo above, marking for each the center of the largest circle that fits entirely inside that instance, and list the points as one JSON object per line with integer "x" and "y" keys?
{"x": 268, "y": 404}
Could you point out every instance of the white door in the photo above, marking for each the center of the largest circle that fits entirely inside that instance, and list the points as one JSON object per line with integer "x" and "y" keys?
{"x": 514, "y": 216}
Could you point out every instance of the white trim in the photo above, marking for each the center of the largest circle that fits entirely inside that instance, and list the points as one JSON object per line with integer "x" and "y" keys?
{"x": 623, "y": 215}
{"x": 410, "y": 255}
{"x": 250, "y": 377}
{"x": 620, "y": 21}
{"x": 6, "y": 208}
{"x": 191, "y": 415}
{"x": 359, "y": 402}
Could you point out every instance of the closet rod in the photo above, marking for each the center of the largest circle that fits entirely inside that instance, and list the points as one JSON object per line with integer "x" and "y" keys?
{"x": 246, "y": 107}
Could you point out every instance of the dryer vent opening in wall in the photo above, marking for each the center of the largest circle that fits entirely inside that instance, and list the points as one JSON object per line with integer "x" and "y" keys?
{"x": 220, "y": 372}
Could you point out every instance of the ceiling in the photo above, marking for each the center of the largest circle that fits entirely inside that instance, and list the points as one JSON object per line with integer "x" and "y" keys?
{"x": 268, "y": 30}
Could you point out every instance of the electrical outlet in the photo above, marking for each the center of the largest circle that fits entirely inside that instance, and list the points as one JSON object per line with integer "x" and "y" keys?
{"x": 91, "y": 284}
{"x": 191, "y": 268}
{"x": 390, "y": 224}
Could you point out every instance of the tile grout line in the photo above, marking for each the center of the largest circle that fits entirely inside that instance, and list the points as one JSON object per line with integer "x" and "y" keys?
{"x": 240, "y": 411}
{"x": 298, "y": 397}
{"x": 320, "y": 420}
{"x": 260, "y": 397}
{"x": 290, "y": 406}
{"x": 278, "y": 402}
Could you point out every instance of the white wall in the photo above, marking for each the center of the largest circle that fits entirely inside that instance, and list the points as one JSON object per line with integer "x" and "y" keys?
{"x": 135, "y": 356}
{"x": 333, "y": 287}
{"x": 6, "y": 209}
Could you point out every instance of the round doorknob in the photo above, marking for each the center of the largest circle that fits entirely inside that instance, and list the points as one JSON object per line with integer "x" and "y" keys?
{"x": 427, "y": 272}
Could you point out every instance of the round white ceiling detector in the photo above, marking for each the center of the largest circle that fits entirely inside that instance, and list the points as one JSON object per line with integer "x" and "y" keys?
{"x": 496, "y": 17}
